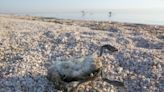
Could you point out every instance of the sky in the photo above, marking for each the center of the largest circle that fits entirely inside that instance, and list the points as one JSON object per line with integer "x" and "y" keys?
{"x": 72, "y": 5}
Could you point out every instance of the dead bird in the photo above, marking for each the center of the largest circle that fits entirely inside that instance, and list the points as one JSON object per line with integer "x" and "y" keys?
{"x": 81, "y": 69}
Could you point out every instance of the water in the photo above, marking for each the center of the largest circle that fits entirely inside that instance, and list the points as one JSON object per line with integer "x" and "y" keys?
{"x": 131, "y": 16}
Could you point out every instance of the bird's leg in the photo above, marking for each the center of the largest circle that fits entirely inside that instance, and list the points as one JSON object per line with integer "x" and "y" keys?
{"x": 101, "y": 73}
{"x": 120, "y": 85}
{"x": 112, "y": 82}
{"x": 93, "y": 76}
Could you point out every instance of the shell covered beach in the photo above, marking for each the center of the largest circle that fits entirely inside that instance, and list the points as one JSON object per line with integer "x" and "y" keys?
{"x": 29, "y": 45}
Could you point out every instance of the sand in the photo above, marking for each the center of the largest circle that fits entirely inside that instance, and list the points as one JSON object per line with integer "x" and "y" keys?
{"x": 29, "y": 45}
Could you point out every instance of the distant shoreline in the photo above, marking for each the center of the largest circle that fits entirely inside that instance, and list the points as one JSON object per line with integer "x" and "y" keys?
{"x": 36, "y": 17}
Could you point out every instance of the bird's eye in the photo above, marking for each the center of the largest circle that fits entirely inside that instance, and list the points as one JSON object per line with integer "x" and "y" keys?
{"x": 91, "y": 75}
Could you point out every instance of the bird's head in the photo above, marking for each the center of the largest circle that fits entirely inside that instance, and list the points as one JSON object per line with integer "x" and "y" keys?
{"x": 110, "y": 48}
